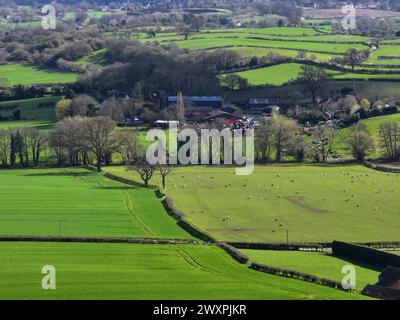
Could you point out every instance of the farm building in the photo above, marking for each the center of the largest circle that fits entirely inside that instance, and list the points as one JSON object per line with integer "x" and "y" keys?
{"x": 221, "y": 117}
{"x": 388, "y": 286}
{"x": 198, "y": 102}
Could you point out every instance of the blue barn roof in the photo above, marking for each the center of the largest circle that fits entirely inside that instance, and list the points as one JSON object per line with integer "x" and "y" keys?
{"x": 199, "y": 101}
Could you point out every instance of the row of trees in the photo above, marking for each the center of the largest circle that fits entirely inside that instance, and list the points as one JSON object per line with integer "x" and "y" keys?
{"x": 280, "y": 136}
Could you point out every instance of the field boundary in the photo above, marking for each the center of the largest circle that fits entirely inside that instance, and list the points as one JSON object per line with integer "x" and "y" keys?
{"x": 307, "y": 246}
{"x": 98, "y": 240}
{"x": 380, "y": 167}
{"x": 298, "y": 275}
{"x": 365, "y": 254}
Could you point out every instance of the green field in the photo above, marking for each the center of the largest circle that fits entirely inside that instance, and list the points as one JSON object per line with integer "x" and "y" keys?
{"x": 316, "y": 263}
{"x": 123, "y": 271}
{"x": 373, "y": 125}
{"x": 29, "y": 74}
{"x": 313, "y": 203}
{"x": 78, "y": 202}
{"x": 283, "y": 73}
{"x": 34, "y": 109}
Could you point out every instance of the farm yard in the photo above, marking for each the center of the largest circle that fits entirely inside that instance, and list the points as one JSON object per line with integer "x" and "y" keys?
{"x": 307, "y": 203}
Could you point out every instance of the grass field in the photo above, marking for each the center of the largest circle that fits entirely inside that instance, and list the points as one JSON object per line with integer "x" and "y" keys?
{"x": 287, "y": 39}
{"x": 34, "y": 109}
{"x": 29, "y": 74}
{"x": 283, "y": 73}
{"x": 121, "y": 271}
{"x": 78, "y": 202}
{"x": 316, "y": 263}
{"x": 313, "y": 203}
{"x": 373, "y": 125}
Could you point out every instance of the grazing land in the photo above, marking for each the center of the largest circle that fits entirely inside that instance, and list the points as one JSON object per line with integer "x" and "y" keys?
{"x": 316, "y": 263}
{"x": 283, "y": 73}
{"x": 78, "y": 202}
{"x": 33, "y": 109}
{"x": 123, "y": 271}
{"x": 313, "y": 203}
{"x": 29, "y": 74}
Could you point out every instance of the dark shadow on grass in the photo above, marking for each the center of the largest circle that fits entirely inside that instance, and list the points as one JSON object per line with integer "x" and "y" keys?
{"x": 360, "y": 264}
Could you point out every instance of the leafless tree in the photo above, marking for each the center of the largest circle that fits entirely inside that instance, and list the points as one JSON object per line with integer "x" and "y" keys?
{"x": 390, "y": 140}
{"x": 144, "y": 169}
{"x": 164, "y": 171}
{"x": 99, "y": 137}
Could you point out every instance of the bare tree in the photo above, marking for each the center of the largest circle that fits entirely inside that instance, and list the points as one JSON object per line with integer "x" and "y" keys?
{"x": 313, "y": 78}
{"x": 144, "y": 169}
{"x": 282, "y": 130}
{"x": 99, "y": 137}
{"x": 360, "y": 142}
{"x": 164, "y": 171}
{"x": 36, "y": 141}
{"x": 323, "y": 140}
{"x": 390, "y": 140}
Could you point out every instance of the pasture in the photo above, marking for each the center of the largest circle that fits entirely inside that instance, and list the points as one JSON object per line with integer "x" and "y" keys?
{"x": 123, "y": 271}
{"x": 316, "y": 263}
{"x": 306, "y": 203}
{"x": 78, "y": 202}
{"x": 36, "y": 109}
{"x": 373, "y": 126}
{"x": 281, "y": 74}
{"x": 29, "y": 74}
{"x": 286, "y": 41}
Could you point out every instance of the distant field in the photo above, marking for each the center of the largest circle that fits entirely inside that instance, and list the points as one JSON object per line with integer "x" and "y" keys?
{"x": 283, "y": 73}
{"x": 34, "y": 109}
{"x": 311, "y": 202}
{"x": 29, "y": 74}
{"x": 78, "y": 202}
{"x": 334, "y": 13}
{"x": 123, "y": 271}
{"x": 97, "y": 57}
{"x": 316, "y": 263}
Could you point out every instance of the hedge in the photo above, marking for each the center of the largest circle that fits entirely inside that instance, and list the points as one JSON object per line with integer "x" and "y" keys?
{"x": 96, "y": 240}
{"x": 365, "y": 254}
{"x": 234, "y": 253}
{"x": 381, "y": 168}
{"x": 280, "y": 246}
{"x": 184, "y": 223}
{"x": 298, "y": 275}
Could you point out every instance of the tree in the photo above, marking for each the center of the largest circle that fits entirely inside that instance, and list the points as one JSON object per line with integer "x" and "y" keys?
{"x": 390, "y": 140}
{"x": 99, "y": 137}
{"x": 144, "y": 169}
{"x": 298, "y": 147}
{"x": 282, "y": 130}
{"x": 36, "y": 141}
{"x": 235, "y": 82}
{"x": 180, "y": 108}
{"x": 354, "y": 57}
{"x": 313, "y": 78}
{"x": 263, "y": 141}
{"x": 63, "y": 108}
{"x": 322, "y": 145}
{"x": 164, "y": 171}
{"x": 360, "y": 142}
